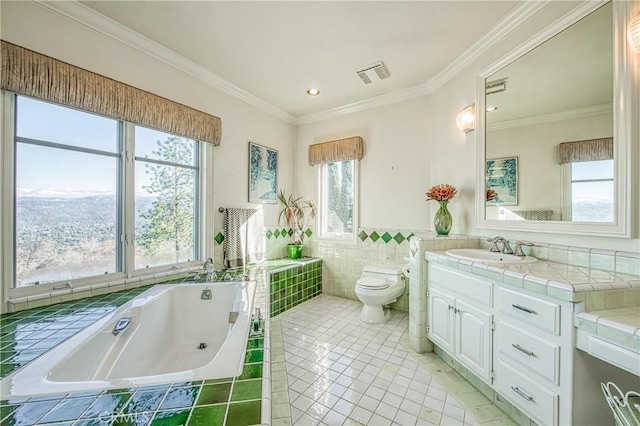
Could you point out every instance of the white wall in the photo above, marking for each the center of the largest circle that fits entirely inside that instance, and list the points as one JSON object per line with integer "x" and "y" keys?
{"x": 37, "y": 28}
{"x": 540, "y": 177}
{"x": 394, "y": 173}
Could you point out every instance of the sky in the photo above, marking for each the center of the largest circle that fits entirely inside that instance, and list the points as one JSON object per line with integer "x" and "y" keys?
{"x": 60, "y": 170}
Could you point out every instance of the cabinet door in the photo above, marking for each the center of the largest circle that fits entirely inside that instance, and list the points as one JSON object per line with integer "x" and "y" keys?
{"x": 473, "y": 339}
{"x": 441, "y": 318}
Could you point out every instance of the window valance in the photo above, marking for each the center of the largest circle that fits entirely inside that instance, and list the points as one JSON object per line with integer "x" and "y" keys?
{"x": 32, "y": 74}
{"x": 338, "y": 150}
{"x": 587, "y": 150}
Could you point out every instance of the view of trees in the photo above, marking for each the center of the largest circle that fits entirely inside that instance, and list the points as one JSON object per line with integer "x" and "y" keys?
{"x": 340, "y": 196}
{"x": 64, "y": 236}
{"x": 168, "y": 225}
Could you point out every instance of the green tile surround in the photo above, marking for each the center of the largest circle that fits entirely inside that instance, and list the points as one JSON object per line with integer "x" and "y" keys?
{"x": 290, "y": 287}
{"x": 27, "y": 334}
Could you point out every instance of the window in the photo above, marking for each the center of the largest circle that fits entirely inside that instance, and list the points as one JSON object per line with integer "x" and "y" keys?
{"x": 73, "y": 220}
{"x": 337, "y": 200}
{"x": 66, "y": 198}
{"x": 590, "y": 191}
{"x": 166, "y": 197}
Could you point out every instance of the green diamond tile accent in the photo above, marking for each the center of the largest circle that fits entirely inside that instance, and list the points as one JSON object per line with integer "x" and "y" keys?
{"x": 219, "y": 238}
{"x": 290, "y": 232}
{"x": 399, "y": 238}
{"x": 283, "y": 232}
{"x": 276, "y": 233}
{"x": 386, "y": 237}
{"x": 362, "y": 235}
{"x": 269, "y": 233}
{"x": 374, "y": 236}
{"x": 308, "y": 232}
{"x": 410, "y": 235}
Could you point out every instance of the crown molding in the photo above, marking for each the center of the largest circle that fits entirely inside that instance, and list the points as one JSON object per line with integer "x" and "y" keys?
{"x": 558, "y": 116}
{"x": 110, "y": 28}
{"x": 98, "y": 22}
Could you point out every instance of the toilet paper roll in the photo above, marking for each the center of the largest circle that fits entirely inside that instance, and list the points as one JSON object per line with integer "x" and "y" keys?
{"x": 405, "y": 270}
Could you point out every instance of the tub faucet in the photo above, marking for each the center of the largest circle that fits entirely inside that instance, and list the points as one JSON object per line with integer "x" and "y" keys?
{"x": 206, "y": 294}
{"x": 208, "y": 264}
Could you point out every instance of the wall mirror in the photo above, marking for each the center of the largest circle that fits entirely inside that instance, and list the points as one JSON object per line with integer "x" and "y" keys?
{"x": 555, "y": 128}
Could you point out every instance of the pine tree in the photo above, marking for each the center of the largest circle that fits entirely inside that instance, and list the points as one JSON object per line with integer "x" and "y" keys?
{"x": 169, "y": 221}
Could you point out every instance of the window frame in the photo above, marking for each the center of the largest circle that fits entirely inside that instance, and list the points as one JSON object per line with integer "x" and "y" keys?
{"x": 567, "y": 191}
{"x": 203, "y": 216}
{"x": 344, "y": 237}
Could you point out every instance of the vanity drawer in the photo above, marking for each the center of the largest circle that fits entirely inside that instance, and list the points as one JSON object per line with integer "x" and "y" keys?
{"x": 473, "y": 288}
{"x": 529, "y": 351}
{"x": 538, "y": 312}
{"x": 535, "y": 400}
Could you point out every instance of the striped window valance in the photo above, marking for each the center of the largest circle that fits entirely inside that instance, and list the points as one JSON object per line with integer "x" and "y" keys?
{"x": 338, "y": 150}
{"x": 587, "y": 150}
{"x": 32, "y": 74}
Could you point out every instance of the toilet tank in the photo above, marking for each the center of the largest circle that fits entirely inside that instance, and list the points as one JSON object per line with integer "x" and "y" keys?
{"x": 380, "y": 272}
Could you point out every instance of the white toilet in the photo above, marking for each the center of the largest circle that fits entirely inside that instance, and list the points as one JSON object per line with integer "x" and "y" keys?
{"x": 375, "y": 288}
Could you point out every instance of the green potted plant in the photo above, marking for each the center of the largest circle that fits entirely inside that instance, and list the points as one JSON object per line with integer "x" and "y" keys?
{"x": 296, "y": 214}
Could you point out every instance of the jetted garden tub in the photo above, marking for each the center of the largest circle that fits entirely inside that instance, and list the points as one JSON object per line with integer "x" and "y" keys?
{"x": 173, "y": 333}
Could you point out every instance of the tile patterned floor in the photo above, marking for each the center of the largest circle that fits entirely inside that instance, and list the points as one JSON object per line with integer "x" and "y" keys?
{"x": 329, "y": 368}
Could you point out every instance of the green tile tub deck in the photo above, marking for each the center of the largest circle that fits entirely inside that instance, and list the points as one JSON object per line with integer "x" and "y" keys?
{"x": 27, "y": 334}
{"x": 296, "y": 284}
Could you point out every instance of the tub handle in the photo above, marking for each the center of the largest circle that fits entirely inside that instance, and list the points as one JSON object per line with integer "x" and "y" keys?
{"x": 121, "y": 325}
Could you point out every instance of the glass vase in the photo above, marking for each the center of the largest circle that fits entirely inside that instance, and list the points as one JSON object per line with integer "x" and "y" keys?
{"x": 443, "y": 220}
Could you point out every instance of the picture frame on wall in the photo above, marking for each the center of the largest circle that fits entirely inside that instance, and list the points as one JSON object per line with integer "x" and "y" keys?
{"x": 501, "y": 175}
{"x": 263, "y": 174}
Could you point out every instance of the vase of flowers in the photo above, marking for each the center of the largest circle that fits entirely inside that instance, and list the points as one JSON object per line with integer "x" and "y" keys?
{"x": 442, "y": 193}
{"x": 492, "y": 195}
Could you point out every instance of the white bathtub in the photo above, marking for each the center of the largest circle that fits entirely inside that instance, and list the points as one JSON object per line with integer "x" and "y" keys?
{"x": 160, "y": 344}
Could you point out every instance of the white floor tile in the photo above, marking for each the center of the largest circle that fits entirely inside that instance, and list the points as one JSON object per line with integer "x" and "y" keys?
{"x": 342, "y": 371}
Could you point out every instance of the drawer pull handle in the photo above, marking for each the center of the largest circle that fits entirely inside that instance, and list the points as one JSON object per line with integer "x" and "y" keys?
{"x": 523, "y": 350}
{"x": 522, "y": 394}
{"x": 522, "y": 308}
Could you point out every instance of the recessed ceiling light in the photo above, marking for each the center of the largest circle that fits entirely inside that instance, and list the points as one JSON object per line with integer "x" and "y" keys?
{"x": 313, "y": 92}
{"x": 491, "y": 108}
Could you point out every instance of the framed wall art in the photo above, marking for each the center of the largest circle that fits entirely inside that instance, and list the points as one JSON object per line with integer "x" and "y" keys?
{"x": 263, "y": 174}
{"x": 502, "y": 177}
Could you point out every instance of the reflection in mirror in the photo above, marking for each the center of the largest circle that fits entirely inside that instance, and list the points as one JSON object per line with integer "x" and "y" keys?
{"x": 559, "y": 92}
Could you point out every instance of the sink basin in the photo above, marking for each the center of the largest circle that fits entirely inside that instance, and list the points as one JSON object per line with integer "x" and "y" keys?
{"x": 488, "y": 257}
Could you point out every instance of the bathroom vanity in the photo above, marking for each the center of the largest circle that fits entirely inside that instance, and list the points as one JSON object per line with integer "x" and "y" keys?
{"x": 515, "y": 331}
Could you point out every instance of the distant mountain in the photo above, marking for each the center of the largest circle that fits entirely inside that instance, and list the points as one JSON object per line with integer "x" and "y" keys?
{"x": 55, "y": 193}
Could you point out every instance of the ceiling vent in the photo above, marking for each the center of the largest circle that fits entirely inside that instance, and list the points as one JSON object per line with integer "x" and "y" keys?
{"x": 370, "y": 72}
{"x": 496, "y": 86}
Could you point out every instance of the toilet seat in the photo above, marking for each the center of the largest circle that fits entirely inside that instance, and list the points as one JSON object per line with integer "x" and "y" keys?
{"x": 368, "y": 283}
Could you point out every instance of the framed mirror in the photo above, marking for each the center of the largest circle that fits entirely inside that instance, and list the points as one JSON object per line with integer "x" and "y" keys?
{"x": 556, "y": 120}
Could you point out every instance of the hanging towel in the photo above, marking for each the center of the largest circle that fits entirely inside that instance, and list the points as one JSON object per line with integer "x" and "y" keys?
{"x": 243, "y": 237}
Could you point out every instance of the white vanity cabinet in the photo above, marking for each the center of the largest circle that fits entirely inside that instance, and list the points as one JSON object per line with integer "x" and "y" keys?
{"x": 521, "y": 342}
{"x": 459, "y": 324}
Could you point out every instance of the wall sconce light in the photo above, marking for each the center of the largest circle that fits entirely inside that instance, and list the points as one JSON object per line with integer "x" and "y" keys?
{"x": 466, "y": 119}
{"x": 633, "y": 34}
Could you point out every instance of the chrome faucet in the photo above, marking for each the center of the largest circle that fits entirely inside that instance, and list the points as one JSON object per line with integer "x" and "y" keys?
{"x": 506, "y": 248}
{"x": 206, "y": 294}
{"x": 208, "y": 264}
{"x": 519, "y": 244}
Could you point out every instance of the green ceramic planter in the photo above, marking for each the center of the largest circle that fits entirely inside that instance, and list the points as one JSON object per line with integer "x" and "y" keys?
{"x": 295, "y": 251}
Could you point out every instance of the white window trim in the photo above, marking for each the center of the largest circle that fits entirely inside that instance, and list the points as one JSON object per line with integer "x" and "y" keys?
{"x": 346, "y": 238}
{"x": 7, "y": 216}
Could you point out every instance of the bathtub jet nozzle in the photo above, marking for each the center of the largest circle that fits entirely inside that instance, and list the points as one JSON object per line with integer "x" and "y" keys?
{"x": 121, "y": 325}
{"x": 202, "y": 346}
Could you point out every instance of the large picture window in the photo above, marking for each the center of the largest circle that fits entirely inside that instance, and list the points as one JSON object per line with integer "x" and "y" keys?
{"x": 337, "y": 206}
{"x": 73, "y": 221}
